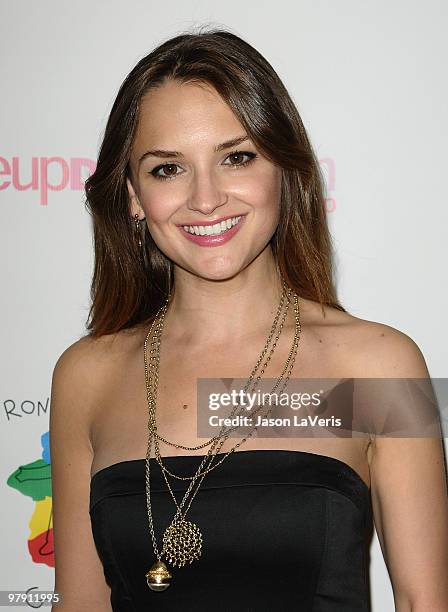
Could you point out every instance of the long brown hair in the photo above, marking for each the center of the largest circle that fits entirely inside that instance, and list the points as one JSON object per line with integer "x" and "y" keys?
{"x": 128, "y": 288}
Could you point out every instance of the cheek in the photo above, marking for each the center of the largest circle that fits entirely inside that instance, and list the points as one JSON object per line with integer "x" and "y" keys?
{"x": 267, "y": 204}
{"x": 158, "y": 207}
{"x": 264, "y": 195}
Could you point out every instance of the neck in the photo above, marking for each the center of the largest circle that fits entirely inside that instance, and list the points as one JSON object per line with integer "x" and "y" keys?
{"x": 207, "y": 312}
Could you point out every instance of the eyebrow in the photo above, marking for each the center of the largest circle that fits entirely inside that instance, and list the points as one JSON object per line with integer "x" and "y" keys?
{"x": 234, "y": 142}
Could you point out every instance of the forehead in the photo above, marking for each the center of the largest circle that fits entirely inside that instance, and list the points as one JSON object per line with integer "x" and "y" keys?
{"x": 184, "y": 112}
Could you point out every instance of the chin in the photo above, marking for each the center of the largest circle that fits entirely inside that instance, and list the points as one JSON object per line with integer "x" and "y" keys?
{"x": 217, "y": 269}
{"x": 219, "y": 274}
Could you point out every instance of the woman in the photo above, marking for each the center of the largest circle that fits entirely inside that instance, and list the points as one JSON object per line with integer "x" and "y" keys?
{"x": 205, "y": 149}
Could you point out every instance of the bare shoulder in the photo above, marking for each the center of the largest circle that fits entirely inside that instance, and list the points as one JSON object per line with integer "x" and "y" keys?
{"x": 89, "y": 359}
{"x": 373, "y": 349}
{"x": 86, "y": 368}
{"x": 87, "y": 351}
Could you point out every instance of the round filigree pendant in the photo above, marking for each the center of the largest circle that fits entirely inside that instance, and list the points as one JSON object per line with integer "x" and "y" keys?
{"x": 182, "y": 542}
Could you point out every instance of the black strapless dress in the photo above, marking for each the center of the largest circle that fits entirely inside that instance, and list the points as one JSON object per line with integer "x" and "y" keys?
{"x": 282, "y": 530}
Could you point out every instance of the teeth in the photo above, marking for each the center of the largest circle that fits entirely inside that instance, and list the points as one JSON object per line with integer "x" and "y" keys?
{"x": 212, "y": 230}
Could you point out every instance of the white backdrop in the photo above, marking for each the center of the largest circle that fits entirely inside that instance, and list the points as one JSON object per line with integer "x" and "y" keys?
{"x": 368, "y": 80}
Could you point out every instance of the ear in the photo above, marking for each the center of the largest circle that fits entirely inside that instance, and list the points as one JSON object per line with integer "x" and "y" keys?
{"x": 134, "y": 204}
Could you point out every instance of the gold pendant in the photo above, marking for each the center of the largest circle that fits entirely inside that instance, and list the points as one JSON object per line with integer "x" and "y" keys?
{"x": 182, "y": 542}
{"x": 158, "y": 577}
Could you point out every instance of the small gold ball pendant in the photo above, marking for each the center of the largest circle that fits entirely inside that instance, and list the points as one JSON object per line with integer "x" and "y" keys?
{"x": 158, "y": 577}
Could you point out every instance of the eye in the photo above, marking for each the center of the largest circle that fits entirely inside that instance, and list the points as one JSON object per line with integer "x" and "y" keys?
{"x": 239, "y": 154}
{"x": 155, "y": 171}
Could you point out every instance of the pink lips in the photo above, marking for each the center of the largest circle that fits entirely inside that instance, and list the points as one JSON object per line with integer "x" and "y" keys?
{"x": 211, "y": 241}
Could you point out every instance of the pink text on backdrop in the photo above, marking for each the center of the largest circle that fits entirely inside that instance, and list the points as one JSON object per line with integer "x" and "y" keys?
{"x": 46, "y": 174}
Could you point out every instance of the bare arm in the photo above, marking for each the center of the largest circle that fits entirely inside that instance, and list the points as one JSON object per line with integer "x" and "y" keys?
{"x": 79, "y": 576}
{"x": 409, "y": 494}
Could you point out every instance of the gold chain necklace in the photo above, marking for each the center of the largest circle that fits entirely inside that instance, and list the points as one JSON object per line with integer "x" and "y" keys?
{"x": 182, "y": 540}
{"x": 285, "y": 295}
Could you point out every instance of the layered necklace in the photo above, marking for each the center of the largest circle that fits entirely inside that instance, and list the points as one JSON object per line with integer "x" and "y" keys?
{"x": 182, "y": 540}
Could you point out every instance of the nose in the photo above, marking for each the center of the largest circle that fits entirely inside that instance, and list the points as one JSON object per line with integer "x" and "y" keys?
{"x": 206, "y": 195}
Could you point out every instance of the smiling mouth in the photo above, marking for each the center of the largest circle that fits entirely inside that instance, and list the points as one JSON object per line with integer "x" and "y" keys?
{"x": 212, "y": 230}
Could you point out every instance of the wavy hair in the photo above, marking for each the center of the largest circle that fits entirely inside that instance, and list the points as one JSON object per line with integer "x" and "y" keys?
{"x": 130, "y": 284}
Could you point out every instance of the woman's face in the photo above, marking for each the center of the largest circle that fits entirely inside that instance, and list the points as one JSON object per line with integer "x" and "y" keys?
{"x": 187, "y": 177}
